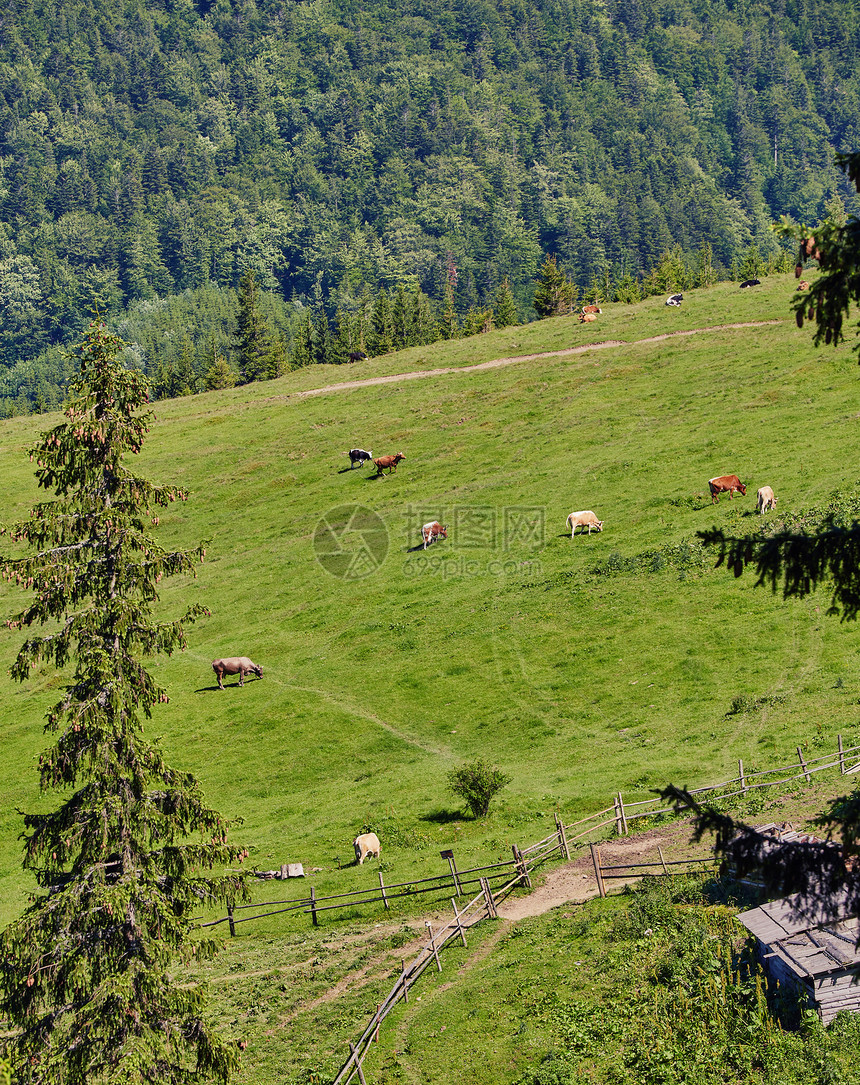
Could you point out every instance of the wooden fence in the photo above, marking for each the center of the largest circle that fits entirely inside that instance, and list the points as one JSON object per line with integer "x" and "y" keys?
{"x": 455, "y": 879}
{"x": 618, "y": 815}
{"x": 482, "y": 906}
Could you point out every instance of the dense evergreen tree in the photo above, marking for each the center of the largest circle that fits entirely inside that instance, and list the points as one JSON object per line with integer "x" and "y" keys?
{"x": 258, "y": 354}
{"x": 555, "y": 294}
{"x": 86, "y": 973}
{"x": 504, "y": 306}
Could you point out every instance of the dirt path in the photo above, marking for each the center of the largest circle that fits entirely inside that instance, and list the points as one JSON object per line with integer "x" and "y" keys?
{"x": 573, "y": 883}
{"x": 497, "y": 363}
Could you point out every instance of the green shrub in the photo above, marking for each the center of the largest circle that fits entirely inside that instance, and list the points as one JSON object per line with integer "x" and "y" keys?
{"x": 477, "y": 783}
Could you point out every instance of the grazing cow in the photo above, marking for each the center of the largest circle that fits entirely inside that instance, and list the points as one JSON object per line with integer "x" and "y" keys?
{"x": 433, "y": 531}
{"x": 390, "y": 462}
{"x": 750, "y": 282}
{"x": 725, "y": 484}
{"x": 765, "y": 500}
{"x": 357, "y": 356}
{"x": 674, "y": 299}
{"x": 584, "y": 519}
{"x": 366, "y": 844}
{"x": 240, "y": 665}
{"x": 808, "y": 251}
{"x": 587, "y": 318}
{"x": 358, "y": 456}
{"x": 591, "y": 309}
{"x": 803, "y": 285}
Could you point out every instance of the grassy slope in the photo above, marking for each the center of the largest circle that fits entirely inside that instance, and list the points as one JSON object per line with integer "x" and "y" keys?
{"x": 576, "y": 685}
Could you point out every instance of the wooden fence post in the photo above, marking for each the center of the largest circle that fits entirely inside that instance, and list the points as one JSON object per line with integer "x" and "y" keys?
{"x": 841, "y": 755}
{"x": 488, "y": 899}
{"x": 455, "y": 877}
{"x": 459, "y": 923}
{"x": 562, "y": 839}
{"x": 376, "y": 1034}
{"x": 314, "y": 906}
{"x": 231, "y": 921}
{"x": 521, "y": 866}
{"x": 382, "y": 890}
{"x": 357, "y": 1063}
{"x": 662, "y": 860}
{"x": 741, "y": 775}
{"x": 620, "y": 816}
{"x": 803, "y": 766}
{"x": 404, "y": 980}
{"x": 595, "y": 858}
{"x": 429, "y": 927}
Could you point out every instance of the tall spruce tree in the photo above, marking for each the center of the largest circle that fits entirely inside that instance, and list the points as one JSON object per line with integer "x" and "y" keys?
{"x": 555, "y": 294}
{"x": 504, "y": 305}
{"x": 258, "y": 354}
{"x": 87, "y": 972}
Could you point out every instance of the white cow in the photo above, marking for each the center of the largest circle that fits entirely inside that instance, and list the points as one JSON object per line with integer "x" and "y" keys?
{"x": 766, "y": 500}
{"x": 366, "y": 844}
{"x": 584, "y": 519}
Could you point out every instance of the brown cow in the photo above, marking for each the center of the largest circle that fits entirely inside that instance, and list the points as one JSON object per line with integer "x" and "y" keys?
{"x": 725, "y": 484}
{"x": 390, "y": 462}
{"x": 240, "y": 665}
{"x": 803, "y": 285}
{"x": 586, "y": 318}
{"x": 433, "y": 531}
{"x": 591, "y": 309}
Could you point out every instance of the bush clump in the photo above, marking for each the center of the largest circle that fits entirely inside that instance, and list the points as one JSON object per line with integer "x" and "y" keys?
{"x": 477, "y": 783}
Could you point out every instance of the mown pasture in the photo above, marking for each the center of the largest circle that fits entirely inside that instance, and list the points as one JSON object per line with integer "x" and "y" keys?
{"x": 574, "y": 669}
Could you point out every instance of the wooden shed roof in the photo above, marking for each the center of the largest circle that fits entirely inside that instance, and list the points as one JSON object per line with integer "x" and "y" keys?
{"x": 810, "y": 944}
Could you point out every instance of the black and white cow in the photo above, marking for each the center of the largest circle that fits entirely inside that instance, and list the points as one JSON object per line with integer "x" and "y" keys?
{"x": 750, "y": 282}
{"x": 358, "y": 456}
{"x": 674, "y": 299}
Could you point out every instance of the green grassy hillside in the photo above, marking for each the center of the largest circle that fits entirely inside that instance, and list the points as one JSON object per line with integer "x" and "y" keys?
{"x": 577, "y": 682}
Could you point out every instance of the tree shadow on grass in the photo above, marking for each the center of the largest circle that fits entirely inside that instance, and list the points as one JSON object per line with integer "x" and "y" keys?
{"x": 445, "y": 817}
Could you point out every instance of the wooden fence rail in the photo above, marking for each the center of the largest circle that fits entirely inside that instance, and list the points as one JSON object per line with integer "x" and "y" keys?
{"x": 621, "y": 813}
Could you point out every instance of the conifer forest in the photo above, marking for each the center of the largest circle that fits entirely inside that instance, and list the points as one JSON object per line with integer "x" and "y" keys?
{"x": 366, "y": 175}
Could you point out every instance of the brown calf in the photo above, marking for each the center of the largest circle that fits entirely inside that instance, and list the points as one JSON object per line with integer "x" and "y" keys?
{"x": 725, "y": 484}
{"x": 390, "y": 462}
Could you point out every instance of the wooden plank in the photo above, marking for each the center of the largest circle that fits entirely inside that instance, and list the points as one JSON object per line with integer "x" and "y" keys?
{"x": 595, "y": 858}
{"x": 741, "y": 775}
{"x": 459, "y": 921}
{"x": 562, "y": 839}
{"x": 803, "y": 766}
{"x": 662, "y": 860}
{"x": 382, "y": 890}
{"x": 841, "y": 754}
{"x": 231, "y": 921}
{"x": 314, "y": 907}
{"x": 429, "y": 927}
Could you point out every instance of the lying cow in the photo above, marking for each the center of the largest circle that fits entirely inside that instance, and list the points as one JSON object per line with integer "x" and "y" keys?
{"x": 358, "y": 456}
{"x": 674, "y": 299}
{"x": 584, "y": 519}
{"x": 240, "y": 665}
{"x": 803, "y": 285}
{"x": 587, "y": 318}
{"x": 366, "y": 844}
{"x": 750, "y": 282}
{"x": 765, "y": 500}
{"x": 390, "y": 462}
{"x": 723, "y": 484}
{"x": 433, "y": 531}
